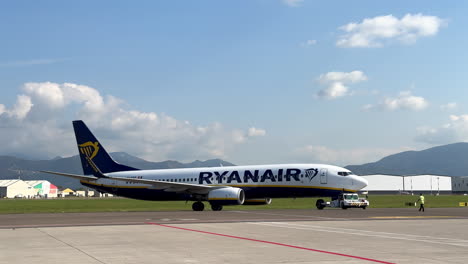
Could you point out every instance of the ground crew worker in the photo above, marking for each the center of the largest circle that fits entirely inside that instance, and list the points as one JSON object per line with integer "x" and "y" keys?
{"x": 421, "y": 202}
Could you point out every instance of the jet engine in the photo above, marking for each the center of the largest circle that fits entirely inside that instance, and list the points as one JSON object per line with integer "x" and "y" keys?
{"x": 227, "y": 196}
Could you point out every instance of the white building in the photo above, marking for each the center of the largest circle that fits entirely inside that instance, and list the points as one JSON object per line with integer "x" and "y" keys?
{"x": 16, "y": 189}
{"x": 86, "y": 193}
{"x": 409, "y": 184}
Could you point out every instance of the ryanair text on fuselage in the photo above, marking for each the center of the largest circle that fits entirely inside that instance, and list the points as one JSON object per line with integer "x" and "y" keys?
{"x": 246, "y": 176}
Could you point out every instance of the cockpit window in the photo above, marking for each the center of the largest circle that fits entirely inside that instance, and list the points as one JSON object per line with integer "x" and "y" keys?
{"x": 345, "y": 173}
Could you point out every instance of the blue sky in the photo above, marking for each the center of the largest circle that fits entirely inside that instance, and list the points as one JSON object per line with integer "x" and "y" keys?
{"x": 254, "y": 81}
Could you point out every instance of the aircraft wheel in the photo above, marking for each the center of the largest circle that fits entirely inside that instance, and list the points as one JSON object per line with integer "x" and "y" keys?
{"x": 198, "y": 206}
{"x": 343, "y": 206}
{"x": 216, "y": 207}
{"x": 319, "y": 204}
{"x": 364, "y": 207}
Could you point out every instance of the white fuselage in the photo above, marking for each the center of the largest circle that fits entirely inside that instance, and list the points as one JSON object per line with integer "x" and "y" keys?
{"x": 282, "y": 180}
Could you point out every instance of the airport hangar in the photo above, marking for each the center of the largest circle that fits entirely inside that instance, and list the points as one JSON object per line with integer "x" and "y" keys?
{"x": 434, "y": 184}
{"x": 378, "y": 184}
{"x": 17, "y": 188}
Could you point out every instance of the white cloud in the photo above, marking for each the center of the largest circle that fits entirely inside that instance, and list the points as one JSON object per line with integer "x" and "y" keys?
{"x": 240, "y": 136}
{"x": 343, "y": 157}
{"x": 455, "y": 130}
{"x": 256, "y": 132}
{"x": 20, "y": 109}
{"x": 345, "y": 77}
{"x": 40, "y": 124}
{"x": 448, "y": 106}
{"x": 293, "y": 3}
{"x": 404, "y": 101}
{"x": 378, "y": 31}
{"x": 334, "y": 90}
{"x": 48, "y": 93}
{"x": 335, "y": 83}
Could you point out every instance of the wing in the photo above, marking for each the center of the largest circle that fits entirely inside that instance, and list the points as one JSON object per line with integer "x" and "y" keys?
{"x": 172, "y": 186}
{"x": 161, "y": 185}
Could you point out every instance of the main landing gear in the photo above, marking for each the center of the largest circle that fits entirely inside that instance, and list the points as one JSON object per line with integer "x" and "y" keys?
{"x": 216, "y": 207}
{"x": 199, "y": 206}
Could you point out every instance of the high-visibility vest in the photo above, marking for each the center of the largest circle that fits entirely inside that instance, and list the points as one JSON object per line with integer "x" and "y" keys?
{"x": 421, "y": 199}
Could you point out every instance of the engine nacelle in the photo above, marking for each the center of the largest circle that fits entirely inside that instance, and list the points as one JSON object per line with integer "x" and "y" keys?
{"x": 262, "y": 201}
{"x": 227, "y": 196}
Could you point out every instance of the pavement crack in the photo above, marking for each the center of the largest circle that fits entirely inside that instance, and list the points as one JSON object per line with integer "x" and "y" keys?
{"x": 70, "y": 245}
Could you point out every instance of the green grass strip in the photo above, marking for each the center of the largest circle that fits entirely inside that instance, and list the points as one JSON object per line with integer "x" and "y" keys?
{"x": 69, "y": 205}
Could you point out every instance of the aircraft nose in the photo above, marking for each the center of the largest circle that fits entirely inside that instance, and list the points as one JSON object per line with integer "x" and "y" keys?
{"x": 362, "y": 182}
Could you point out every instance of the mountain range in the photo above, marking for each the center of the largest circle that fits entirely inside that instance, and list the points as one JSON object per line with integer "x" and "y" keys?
{"x": 451, "y": 160}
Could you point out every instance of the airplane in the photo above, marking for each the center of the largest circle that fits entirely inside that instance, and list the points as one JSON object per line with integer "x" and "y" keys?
{"x": 219, "y": 186}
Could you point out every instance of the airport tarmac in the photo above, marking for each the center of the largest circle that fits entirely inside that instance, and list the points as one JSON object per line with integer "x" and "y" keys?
{"x": 440, "y": 235}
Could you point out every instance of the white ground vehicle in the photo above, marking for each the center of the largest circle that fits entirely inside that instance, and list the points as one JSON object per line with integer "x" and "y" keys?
{"x": 344, "y": 201}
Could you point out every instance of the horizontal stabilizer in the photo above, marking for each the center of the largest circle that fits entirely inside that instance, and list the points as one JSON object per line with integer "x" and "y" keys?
{"x": 76, "y": 176}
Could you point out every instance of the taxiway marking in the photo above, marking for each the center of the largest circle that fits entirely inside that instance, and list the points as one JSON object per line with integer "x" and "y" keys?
{"x": 271, "y": 243}
{"x": 304, "y": 216}
{"x": 415, "y": 216}
{"x": 360, "y": 232}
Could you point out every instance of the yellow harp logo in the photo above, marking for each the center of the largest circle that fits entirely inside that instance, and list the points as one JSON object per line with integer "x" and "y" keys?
{"x": 89, "y": 149}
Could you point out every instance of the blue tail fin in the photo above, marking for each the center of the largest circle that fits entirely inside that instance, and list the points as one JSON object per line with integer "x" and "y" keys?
{"x": 89, "y": 147}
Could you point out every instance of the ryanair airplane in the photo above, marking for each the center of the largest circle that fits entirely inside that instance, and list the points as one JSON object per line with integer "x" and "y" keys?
{"x": 219, "y": 186}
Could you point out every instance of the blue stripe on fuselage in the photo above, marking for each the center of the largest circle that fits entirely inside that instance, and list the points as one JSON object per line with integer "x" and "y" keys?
{"x": 251, "y": 192}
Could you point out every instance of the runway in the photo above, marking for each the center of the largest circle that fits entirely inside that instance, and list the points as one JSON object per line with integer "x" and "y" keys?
{"x": 266, "y": 236}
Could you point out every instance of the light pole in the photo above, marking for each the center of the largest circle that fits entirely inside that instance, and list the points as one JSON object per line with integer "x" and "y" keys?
{"x": 431, "y": 185}
{"x": 438, "y": 186}
{"x": 411, "y": 185}
{"x": 403, "y": 177}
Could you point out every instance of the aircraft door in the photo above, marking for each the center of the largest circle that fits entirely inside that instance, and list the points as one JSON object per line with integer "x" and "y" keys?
{"x": 323, "y": 176}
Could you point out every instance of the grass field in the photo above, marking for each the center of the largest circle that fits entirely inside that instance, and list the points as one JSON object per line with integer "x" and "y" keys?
{"x": 68, "y": 205}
